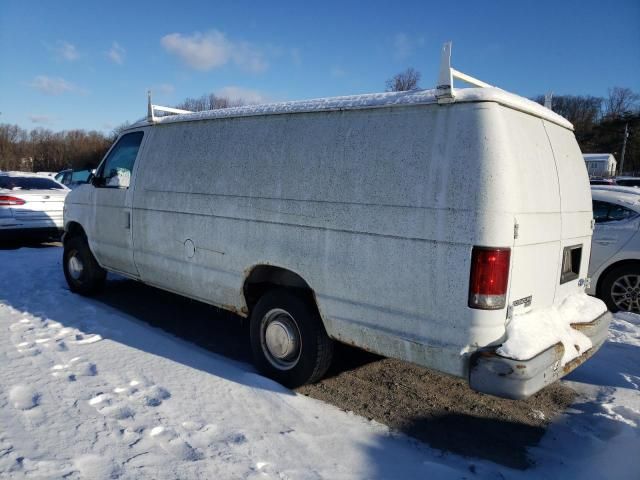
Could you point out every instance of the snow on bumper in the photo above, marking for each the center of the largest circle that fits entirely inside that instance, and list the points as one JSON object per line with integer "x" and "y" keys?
{"x": 506, "y": 377}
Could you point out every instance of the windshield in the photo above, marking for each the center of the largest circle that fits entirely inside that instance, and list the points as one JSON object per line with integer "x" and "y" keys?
{"x": 28, "y": 183}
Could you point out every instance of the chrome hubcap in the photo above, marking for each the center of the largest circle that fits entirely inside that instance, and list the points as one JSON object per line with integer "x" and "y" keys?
{"x": 281, "y": 340}
{"x": 75, "y": 267}
{"x": 625, "y": 293}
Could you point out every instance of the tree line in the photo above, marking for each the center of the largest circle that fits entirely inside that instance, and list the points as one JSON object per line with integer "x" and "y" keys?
{"x": 41, "y": 149}
{"x": 599, "y": 124}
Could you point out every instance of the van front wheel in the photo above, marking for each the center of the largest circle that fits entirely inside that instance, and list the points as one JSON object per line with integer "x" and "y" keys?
{"x": 81, "y": 270}
{"x": 288, "y": 339}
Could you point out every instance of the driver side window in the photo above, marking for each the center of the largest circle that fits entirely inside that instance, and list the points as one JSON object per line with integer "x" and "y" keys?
{"x": 117, "y": 167}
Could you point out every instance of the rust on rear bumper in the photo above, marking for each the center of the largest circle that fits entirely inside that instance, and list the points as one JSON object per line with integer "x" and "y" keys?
{"x": 506, "y": 377}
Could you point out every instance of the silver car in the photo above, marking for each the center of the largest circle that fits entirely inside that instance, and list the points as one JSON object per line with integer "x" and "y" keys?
{"x": 31, "y": 206}
{"x": 615, "y": 252}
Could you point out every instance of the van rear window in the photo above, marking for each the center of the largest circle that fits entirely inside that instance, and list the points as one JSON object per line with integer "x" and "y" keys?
{"x": 28, "y": 183}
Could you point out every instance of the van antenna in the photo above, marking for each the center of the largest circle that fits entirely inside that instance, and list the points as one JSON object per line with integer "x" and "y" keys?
{"x": 151, "y": 109}
{"x": 445, "y": 92}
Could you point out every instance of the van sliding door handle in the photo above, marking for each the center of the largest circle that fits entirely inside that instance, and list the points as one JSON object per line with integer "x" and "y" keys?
{"x": 127, "y": 220}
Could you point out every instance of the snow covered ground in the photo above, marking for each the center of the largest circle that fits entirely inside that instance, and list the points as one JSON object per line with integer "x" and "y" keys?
{"x": 89, "y": 392}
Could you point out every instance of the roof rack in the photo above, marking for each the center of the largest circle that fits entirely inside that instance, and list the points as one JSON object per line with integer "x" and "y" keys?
{"x": 445, "y": 92}
{"x": 152, "y": 109}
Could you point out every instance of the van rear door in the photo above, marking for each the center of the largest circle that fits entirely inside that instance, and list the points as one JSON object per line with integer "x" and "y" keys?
{"x": 576, "y": 211}
{"x": 551, "y": 205}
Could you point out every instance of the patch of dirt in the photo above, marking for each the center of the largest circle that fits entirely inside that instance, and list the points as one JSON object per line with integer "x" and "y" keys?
{"x": 440, "y": 410}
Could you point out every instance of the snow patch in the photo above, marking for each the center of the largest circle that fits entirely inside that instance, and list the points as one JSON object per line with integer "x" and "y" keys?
{"x": 96, "y": 466}
{"x": 88, "y": 340}
{"x": 98, "y": 399}
{"x": 24, "y": 397}
{"x": 532, "y": 332}
{"x": 155, "y": 431}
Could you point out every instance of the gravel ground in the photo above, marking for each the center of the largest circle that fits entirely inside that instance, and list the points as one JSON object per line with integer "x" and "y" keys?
{"x": 431, "y": 407}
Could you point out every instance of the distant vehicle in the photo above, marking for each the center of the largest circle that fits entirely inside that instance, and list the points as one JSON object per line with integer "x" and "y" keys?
{"x": 615, "y": 252}
{"x": 72, "y": 178}
{"x": 600, "y": 164}
{"x": 46, "y": 174}
{"x": 628, "y": 181}
{"x": 31, "y": 206}
{"x": 601, "y": 181}
{"x": 335, "y": 220}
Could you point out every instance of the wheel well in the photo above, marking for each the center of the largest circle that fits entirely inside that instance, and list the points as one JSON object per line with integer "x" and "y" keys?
{"x": 74, "y": 229}
{"x": 266, "y": 277}
{"x": 617, "y": 264}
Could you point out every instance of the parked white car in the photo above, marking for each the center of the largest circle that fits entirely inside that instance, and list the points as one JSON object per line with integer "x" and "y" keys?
{"x": 31, "y": 206}
{"x": 435, "y": 226}
{"x": 615, "y": 251}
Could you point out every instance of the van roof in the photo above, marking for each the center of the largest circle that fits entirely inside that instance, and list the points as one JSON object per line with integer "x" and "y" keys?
{"x": 371, "y": 100}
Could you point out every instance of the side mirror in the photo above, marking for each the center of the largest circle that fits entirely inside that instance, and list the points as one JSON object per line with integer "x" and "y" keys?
{"x": 96, "y": 181}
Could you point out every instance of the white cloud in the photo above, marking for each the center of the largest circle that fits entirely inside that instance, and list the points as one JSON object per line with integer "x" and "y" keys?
{"x": 296, "y": 56}
{"x": 337, "y": 72}
{"x": 213, "y": 50}
{"x": 116, "y": 53}
{"x": 163, "y": 88}
{"x": 41, "y": 119}
{"x": 52, "y": 85}
{"x": 247, "y": 95}
{"x": 404, "y": 45}
{"x": 66, "y": 51}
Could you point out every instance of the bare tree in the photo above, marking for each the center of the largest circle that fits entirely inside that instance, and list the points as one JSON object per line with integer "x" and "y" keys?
{"x": 621, "y": 101}
{"x": 403, "y": 81}
{"x": 581, "y": 110}
{"x": 209, "y": 101}
{"x": 117, "y": 130}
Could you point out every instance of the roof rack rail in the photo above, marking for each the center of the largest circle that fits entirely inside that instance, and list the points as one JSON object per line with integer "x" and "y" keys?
{"x": 445, "y": 92}
{"x": 152, "y": 109}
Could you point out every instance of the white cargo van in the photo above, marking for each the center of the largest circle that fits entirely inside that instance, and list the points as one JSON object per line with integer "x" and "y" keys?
{"x": 441, "y": 227}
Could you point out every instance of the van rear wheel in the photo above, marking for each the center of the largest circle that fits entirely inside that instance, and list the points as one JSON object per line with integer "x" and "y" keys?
{"x": 81, "y": 270}
{"x": 620, "y": 289}
{"x": 288, "y": 339}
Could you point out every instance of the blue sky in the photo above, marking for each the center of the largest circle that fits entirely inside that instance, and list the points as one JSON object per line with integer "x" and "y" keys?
{"x": 88, "y": 64}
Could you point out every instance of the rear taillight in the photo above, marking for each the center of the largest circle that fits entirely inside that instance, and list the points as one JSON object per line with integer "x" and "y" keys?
{"x": 6, "y": 200}
{"x": 489, "y": 277}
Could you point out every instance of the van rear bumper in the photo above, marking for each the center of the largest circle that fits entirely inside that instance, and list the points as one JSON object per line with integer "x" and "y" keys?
{"x": 516, "y": 379}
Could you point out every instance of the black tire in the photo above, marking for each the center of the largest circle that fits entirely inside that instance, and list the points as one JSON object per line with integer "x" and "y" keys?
{"x": 90, "y": 279}
{"x": 307, "y": 363}
{"x": 614, "y": 284}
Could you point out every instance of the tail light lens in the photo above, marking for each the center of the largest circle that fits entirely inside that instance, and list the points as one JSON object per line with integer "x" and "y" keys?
{"x": 6, "y": 200}
{"x": 489, "y": 278}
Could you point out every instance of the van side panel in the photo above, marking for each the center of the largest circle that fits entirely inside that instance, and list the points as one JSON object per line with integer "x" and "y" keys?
{"x": 376, "y": 209}
{"x": 369, "y": 207}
